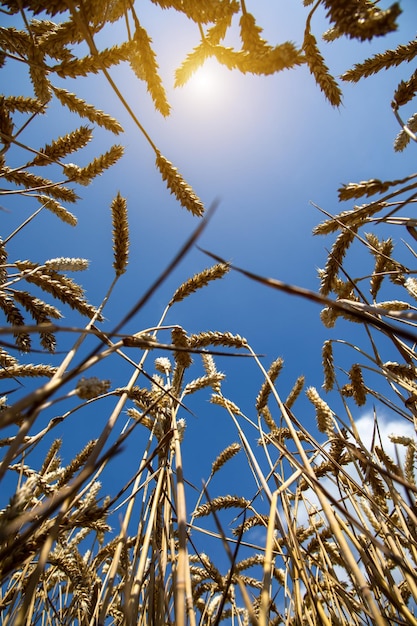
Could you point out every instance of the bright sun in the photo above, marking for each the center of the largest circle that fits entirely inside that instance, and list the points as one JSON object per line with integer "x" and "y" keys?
{"x": 206, "y": 82}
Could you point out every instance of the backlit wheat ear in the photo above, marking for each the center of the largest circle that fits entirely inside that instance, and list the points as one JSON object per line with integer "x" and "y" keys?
{"x": 199, "y": 280}
{"x": 177, "y": 185}
{"x": 143, "y": 62}
{"x": 120, "y": 234}
{"x": 265, "y": 390}
{"x": 320, "y": 71}
{"x": 14, "y": 317}
{"x": 193, "y": 61}
{"x": 83, "y": 109}
{"x": 84, "y": 175}
{"x": 384, "y": 60}
{"x": 224, "y": 456}
{"x": 63, "y": 146}
{"x": 39, "y": 183}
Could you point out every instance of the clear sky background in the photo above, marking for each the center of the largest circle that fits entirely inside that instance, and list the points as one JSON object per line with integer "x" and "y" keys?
{"x": 266, "y": 147}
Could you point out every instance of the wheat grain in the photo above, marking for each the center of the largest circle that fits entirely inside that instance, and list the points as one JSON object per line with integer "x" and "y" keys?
{"x": 335, "y": 258}
{"x": 180, "y": 339}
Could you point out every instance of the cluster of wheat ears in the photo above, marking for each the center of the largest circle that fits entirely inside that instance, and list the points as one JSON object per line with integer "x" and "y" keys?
{"x": 329, "y": 536}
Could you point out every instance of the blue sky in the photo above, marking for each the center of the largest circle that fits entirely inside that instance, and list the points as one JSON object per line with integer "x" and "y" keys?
{"x": 265, "y": 147}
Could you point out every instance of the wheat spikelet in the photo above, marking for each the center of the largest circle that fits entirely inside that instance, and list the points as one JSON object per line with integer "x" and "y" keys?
{"x": 411, "y": 285}
{"x": 61, "y": 287}
{"x": 216, "y": 338}
{"x": 120, "y": 234}
{"x": 358, "y": 386}
{"x": 389, "y": 58}
{"x": 177, "y": 185}
{"x": 6, "y": 359}
{"x": 353, "y": 218}
{"x": 403, "y": 138}
{"x": 295, "y": 392}
{"x": 320, "y": 71}
{"x": 14, "y": 41}
{"x": 23, "y": 104}
{"x": 67, "y": 264}
{"x": 58, "y": 210}
{"x": 84, "y": 175}
{"x": 227, "y": 404}
{"x": 163, "y": 365}
{"x": 29, "y": 370}
{"x": 219, "y": 503}
{"x": 191, "y": 63}
{"x": 250, "y": 34}
{"x": 41, "y": 312}
{"x": 83, "y": 109}
{"x": 382, "y": 251}
{"x": 93, "y": 64}
{"x": 38, "y": 73}
{"x": 199, "y": 280}
{"x": 267, "y": 415}
{"x": 405, "y": 91}
{"x": 71, "y": 142}
{"x": 51, "y": 461}
{"x": 273, "y": 372}
{"x": 251, "y": 522}
{"x": 38, "y": 183}
{"x": 88, "y": 388}
{"x": 143, "y": 63}
{"x": 15, "y": 318}
{"x": 76, "y": 463}
{"x": 362, "y": 19}
{"x": 328, "y": 365}
{"x": 180, "y": 339}
{"x": 335, "y": 259}
{"x": 324, "y": 415}
{"x": 203, "y": 382}
{"x": 367, "y": 188}
{"x": 3, "y": 262}
{"x": 6, "y": 125}
{"x": 224, "y": 456}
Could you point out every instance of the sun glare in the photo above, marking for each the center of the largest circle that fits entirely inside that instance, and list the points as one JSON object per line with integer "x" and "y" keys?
{"x": 206, "y": 83}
